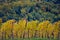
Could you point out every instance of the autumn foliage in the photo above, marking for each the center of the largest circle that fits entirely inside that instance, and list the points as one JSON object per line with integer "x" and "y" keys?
{"x": 29, "y": 29}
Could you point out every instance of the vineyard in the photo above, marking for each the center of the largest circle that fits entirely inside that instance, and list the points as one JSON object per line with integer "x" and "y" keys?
{"x": 29, "y": 29}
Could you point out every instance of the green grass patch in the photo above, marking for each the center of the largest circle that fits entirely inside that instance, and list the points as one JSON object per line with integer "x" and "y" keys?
{"x": 32, "y": 39}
